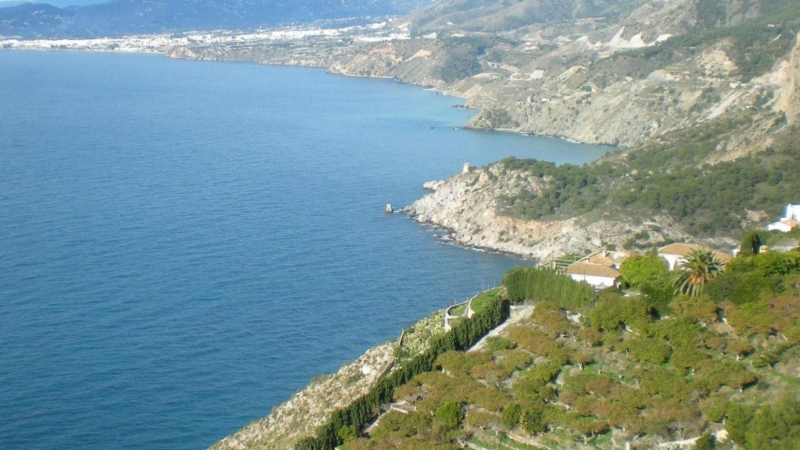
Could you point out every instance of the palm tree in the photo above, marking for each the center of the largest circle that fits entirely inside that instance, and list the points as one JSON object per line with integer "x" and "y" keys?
{"x": 700, "y": 267}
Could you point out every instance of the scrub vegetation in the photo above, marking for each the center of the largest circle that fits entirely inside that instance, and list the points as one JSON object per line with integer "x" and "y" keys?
{"x": 668, "y": 178}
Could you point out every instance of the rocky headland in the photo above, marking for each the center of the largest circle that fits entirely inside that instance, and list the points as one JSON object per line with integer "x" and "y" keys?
{"x": 469, "y": 207}
{"x": 586, "y": 81}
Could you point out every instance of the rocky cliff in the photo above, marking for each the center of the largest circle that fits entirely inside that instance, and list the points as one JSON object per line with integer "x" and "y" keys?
{"x": 746, "y": 119}
{"x": 469, "y": 207}
{"x": 589, "y": 91}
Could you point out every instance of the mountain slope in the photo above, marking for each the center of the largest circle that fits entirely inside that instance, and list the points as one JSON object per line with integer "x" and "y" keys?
{"x": 516, "y": 16}
{"x": 653, "y": 70}
{"x": 634, "y": 371}
{"x": 494, "y": 16}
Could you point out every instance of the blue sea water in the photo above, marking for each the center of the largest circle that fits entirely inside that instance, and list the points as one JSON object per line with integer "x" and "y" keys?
{"x": 183, "y": 245}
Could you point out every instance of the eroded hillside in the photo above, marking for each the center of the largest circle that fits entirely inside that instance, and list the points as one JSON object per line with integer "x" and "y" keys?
{"x": 621, "y": 79}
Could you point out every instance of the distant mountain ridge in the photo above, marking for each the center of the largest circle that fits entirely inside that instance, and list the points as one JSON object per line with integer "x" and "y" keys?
{"x": 495, "y": 16}
{"x": 125, "y": 17}
{"x": 518, "y": 16}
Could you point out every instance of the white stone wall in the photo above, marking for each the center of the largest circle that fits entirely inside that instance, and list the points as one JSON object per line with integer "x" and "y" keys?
{"x": 598, "y": 282}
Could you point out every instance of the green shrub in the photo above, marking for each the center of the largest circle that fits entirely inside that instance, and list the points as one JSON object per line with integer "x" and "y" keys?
{"x": 654, "y": 351}
{"x": 659, "y": 292}
{"x": 511, "y": 415}
{"x": 496, "y": 343}
{"x": 766, "y": 264}
{"x": 754, "y": 318}
{"x": 347, "y": 433}
{"x": 615, "y": 312}
{"x": 752, "y": 242}
{"x": 639, "y": 269}
{"x": 775, "y": 426}
{"x": 740, "y": 288}
{"x": 704, "y": 442}
{"x": 449, "y": 414}
{"x": 545, "y": 284}
{"x": 737, "y": 420}
{"x": 531, "y": 421}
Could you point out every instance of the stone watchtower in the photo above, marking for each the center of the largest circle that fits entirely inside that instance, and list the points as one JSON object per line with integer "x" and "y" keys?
{"x": 467, "y": 168}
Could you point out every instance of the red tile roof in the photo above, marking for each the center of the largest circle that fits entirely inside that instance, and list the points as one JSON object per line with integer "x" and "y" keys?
{"x": 592, "y": 269}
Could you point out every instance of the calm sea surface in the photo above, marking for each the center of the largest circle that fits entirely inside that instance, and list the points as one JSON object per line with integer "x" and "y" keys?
{"x": 183, "y": 245}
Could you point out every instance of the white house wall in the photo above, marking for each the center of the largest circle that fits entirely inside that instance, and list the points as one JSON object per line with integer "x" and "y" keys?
{"x": 779, "y": 226}
{"x": 594, "y": 280}
{"x": 673, "y": 260}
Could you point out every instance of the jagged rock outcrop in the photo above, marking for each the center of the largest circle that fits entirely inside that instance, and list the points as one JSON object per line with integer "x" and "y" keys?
{"x": 468, "y": 206}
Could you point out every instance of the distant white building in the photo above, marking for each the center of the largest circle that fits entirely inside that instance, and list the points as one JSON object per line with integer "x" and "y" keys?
{"x": 789, "y": 221}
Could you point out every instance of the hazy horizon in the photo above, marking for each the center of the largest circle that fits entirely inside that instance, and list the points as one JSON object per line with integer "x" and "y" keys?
{"x": 59, "y": 3}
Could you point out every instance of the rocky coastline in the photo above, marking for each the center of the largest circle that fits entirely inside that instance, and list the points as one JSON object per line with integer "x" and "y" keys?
{"x": 541, "y": 96}
{"x": 468, "y": 206}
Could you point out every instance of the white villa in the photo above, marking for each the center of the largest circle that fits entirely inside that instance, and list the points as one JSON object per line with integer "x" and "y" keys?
{"x": 600, "y": 269}
{"x": 789, "y": 221}
{"x": 675, "y": 254}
